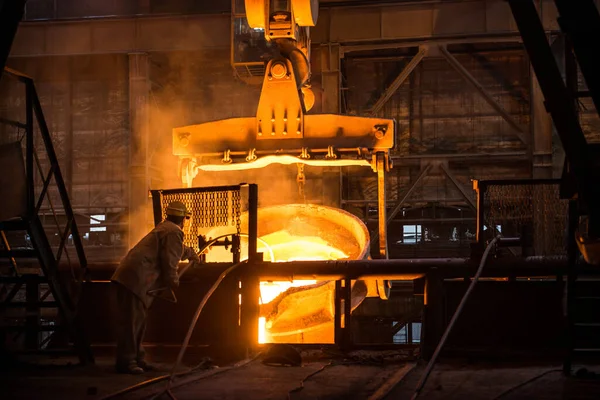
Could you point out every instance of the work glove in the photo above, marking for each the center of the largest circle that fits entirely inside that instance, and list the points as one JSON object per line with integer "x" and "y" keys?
{"x": 194, "y": 258}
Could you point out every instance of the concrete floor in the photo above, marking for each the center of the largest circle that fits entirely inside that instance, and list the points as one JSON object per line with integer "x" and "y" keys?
{"x": 258, "y": 381}
{"x": 453, "y": 381}
{"x": 356, "y": 377}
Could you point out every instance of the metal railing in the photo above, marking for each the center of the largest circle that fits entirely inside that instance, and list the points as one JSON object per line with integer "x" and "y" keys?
{"x": 527, "y": 208}
{"x": 35, "y": 201}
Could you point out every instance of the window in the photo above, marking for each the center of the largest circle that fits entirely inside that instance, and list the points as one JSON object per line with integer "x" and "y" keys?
{"x": 412, "y": 234}
{"x": 97, "y": 220}
{"x": 401, "y": 337}
{"x": 498, "y": 228}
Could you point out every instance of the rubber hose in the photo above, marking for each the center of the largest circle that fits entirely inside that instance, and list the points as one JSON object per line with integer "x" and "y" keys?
{"x": 457, "y": 313}
{"x": 195, "y": 319}
{"x": 299, "y": 60}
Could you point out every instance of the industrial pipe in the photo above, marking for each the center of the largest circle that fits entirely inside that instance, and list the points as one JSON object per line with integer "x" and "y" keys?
{"x": 299, "y": 60}
{"x": 406, "y": 269}
{"x": 397, "y": 269}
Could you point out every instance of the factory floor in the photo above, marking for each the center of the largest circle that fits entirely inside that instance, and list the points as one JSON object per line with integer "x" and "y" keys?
{"x": 360, "y": 375}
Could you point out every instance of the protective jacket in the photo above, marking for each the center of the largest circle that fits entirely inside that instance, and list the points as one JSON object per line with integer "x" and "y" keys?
{"x": 153, "y": 262}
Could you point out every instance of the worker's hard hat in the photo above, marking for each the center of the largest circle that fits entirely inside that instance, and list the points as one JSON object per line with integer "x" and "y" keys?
{"x": 178, "y": 209}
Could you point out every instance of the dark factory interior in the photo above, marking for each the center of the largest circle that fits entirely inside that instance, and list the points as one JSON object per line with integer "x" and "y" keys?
{"x": 299, "y": 199}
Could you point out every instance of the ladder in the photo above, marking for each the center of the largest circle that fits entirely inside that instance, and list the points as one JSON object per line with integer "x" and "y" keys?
{"x": 34, "y": 301}
{"x": 580, "y": 23}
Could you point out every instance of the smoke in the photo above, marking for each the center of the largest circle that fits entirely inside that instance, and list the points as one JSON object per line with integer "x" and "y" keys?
{"x": 194, "y": 88}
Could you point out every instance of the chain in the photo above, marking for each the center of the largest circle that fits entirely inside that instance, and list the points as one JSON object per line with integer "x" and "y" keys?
{"x": 209, "y": 209}
{"x": 536, "y": 206}
{"x": 301, "y": 180}
{"x": 236, "y": 204}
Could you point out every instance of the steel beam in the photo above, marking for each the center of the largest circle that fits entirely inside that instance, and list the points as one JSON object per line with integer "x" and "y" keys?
{"x": 400, "y": 79}
{"x": 330, "y": 78}
{"x": 136, "y": 34}
{"x": 399, "y": 205}
{"x": 580, "y": 20}
{"x": 11, "y": 13}
{"x": 58, "y": 177}
{"x": 520, "y": 132}
{"x": 397, "y": 25}
{"x": 417, "y": 200}
{"x": 409, "y": 192}
{"x": 559, "y": 103}
{"x": 382, "y": 205}
{"x": 541, "y": 127}
{"x": 421, "y": 221}
{"x": 458, "y": 186}
{"x": 29, "y": 147}
{"x": 139, "y": 177}
{"x": 496, "y": 73}
{"x": 415, "y": 159}
{"x": 426, "y": 19}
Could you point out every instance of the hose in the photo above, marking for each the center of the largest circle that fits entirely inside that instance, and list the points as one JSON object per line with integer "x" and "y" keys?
{"x": 161, "y": 378}
{"x": 188, "y": 335}
{"x": 201, "y": 250}
{"x": 528, "y": 381}
{"x": 265, "y": 244}
{"x": 204, "y": 376}
{"x": 457, "y": 313}
{"x": 154, "y": 292}
{"x": 195, "y": 320}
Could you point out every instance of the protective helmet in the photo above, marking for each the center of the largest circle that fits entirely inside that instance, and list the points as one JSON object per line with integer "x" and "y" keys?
{"x": 178, "y": 209}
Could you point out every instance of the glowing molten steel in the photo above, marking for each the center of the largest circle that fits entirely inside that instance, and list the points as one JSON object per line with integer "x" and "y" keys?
{"x": 281, "y": 246}
{"x": 302, "y": 311}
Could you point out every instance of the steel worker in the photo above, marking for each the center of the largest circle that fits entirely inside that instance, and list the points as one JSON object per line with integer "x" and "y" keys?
{"x": 150, "y": 264}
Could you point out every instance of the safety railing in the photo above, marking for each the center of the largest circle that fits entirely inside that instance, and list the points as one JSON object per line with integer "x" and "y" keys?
{"x": 212, "y": 207}
{"x": 530, "y": 209}
{"x": 35, "y": 200}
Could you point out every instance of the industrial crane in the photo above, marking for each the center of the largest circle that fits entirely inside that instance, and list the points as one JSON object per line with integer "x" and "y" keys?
{"x": 282, "y": 131}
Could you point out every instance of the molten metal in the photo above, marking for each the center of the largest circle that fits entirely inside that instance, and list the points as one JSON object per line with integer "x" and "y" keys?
{"x": 302, "y": 311}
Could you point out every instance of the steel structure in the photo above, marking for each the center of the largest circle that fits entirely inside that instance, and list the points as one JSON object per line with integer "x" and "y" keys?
{"x": 220, "y": 206}
{"x": 25, "y": 220}
{"x": 11, "y": 13}
{"x": 282, "y": 130}
{"x": 580, "y": 22}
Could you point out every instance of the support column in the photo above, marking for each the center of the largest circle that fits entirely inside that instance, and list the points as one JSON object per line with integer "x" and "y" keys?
{"x": 140, "y": 218}
{"x": 541, "y": 127}
{"x": 434, "y": 320}
{"x": 330, "y": 78}
{"x": 543, "y": 135}
{"x": 330, "y": 104}
{"x": 69, "y": 159}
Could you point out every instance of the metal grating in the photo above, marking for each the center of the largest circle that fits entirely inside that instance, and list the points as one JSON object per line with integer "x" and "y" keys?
{"x": 210, "y": 207}
{"x": 518, "y": 206}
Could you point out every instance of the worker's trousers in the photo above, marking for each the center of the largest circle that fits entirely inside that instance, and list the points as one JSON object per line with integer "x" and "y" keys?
{"x": 131, "y": 326}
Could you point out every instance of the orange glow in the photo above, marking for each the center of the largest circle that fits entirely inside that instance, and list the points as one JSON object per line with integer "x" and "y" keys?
{"x": 282, "y": 246}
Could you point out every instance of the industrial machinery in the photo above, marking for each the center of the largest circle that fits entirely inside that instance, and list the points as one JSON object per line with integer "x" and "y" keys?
{"x": 283, "y": 132}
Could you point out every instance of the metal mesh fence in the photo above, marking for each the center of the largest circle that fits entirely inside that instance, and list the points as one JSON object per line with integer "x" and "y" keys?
{"x": 511, "y": 208}
{"x": 210, "y": 207}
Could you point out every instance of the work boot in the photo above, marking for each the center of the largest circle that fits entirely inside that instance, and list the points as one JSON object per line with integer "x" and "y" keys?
{"x": 131, "y": 368}
{"x": 146, "y": 366}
